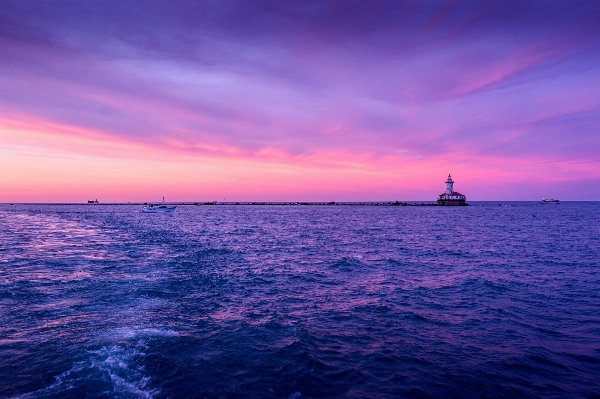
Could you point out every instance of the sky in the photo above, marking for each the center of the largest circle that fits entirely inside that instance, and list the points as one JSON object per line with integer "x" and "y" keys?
{"x": 298, "y": 100}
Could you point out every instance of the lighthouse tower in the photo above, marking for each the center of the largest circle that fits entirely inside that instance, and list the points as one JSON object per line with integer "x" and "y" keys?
{"x": 449, "y": 185}
{"x": 451, "y": 197}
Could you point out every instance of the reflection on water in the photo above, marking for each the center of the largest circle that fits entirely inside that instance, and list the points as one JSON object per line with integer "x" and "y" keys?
{"x": 279, "y": 302}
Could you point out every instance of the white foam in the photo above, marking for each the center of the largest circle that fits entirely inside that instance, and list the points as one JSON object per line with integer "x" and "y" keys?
{"x": 109, "y": 364}
{"x": 132, "y": 332}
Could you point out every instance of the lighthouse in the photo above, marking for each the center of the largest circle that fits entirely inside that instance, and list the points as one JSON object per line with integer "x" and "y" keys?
{"x": 449, "y": 185}
{"x": 451, "y": 197}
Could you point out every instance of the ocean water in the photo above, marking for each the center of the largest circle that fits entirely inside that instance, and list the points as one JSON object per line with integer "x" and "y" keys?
{"x": 484, "y": 301}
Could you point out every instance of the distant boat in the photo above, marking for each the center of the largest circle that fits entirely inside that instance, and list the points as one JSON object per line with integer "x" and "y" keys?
{"x": 158, "y": 208}
{"x": 93, "y": 202}
{"x": 549, "y": 201}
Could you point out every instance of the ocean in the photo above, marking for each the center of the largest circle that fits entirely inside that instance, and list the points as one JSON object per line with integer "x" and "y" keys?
{"x": 485, "y": 301}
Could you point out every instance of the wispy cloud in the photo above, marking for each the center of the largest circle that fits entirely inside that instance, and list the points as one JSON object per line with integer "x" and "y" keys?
{"x": 502, "y": 87}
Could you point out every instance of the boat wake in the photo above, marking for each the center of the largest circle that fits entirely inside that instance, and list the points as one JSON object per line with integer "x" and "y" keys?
{"x": 113, "y": 371}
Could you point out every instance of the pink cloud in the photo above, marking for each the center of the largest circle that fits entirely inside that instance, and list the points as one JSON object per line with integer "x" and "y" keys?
{"x": 349, "y": 102}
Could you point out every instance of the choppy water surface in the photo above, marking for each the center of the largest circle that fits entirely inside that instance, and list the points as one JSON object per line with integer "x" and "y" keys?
{"x": 300, "y": 301}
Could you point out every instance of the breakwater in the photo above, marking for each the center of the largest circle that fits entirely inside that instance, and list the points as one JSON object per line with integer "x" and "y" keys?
{"x": 249, "y": 203}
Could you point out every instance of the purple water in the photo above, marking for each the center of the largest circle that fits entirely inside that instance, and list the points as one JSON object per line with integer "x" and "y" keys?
{"x": 300, "y": 301}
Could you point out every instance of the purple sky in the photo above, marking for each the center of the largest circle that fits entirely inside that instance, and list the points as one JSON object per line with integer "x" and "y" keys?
{"x": 505, "y": 95}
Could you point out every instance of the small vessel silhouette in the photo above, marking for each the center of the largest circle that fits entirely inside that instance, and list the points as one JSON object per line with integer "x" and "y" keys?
{"x": 158, "y": 208}
{"x": 549, "y": 201}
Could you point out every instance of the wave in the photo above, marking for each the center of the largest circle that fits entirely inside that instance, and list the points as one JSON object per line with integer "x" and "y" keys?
{"x": 113, "y": 371}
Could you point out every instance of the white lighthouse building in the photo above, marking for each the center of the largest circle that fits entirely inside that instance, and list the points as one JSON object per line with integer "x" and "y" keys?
{"x": 451, "y": 197}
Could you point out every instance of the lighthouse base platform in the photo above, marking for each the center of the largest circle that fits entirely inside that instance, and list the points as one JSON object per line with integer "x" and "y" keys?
{"x": 452, "y": 202}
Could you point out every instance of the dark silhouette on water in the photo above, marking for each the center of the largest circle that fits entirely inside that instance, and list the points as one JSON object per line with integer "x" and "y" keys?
{"x": 451, "y": 197}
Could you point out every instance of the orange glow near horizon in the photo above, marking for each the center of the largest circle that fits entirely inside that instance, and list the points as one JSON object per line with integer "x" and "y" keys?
{"x": 45, "y": 162}
{"x": 324, "y": 105}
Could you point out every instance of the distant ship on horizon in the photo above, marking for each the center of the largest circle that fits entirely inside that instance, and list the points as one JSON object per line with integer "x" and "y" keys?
{"x": 93, "y": 201}
{"x": 158, "y": 208}
{"x": 549, "y": 201}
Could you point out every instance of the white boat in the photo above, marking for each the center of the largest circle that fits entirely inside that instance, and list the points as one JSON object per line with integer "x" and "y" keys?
{"x": 159, "y": 208}
{"x": 549, "y": 201}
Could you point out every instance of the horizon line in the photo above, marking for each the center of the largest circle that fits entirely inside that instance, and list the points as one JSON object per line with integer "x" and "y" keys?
{"x": 212, "y": 203}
